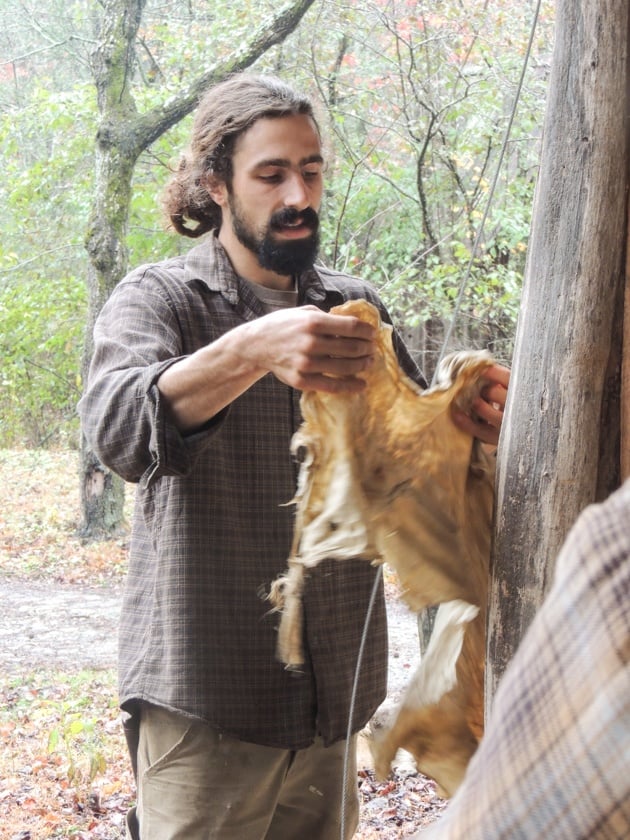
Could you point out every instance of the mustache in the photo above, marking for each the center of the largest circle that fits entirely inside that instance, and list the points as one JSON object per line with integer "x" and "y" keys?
{"x": 289, "y": 215}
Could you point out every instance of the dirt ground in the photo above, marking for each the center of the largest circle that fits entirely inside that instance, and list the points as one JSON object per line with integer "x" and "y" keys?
{"x": 57, "y": 625}
{"x": 60, "y": 607}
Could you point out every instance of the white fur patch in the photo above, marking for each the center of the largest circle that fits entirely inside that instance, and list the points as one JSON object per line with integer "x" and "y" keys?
{"x": 437, "y": 675}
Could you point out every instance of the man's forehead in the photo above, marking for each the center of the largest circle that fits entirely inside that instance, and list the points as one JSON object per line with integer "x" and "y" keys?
{"x": 280, "y": 141}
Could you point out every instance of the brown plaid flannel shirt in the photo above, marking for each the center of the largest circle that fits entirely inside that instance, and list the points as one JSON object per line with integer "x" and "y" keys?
{"x": 212, "y": 527}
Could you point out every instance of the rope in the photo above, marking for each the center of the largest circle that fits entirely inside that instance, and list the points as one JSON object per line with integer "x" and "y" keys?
{"x": 355, "y": 685}
{"x": 475, "y": 248}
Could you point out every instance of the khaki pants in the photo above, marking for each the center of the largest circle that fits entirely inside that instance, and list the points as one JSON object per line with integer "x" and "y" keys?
{"x": 196, "y": 784}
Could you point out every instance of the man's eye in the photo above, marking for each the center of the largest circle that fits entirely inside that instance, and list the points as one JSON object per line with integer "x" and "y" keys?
{"x": 275, "y": 178}
{"x": 311, "y": 174}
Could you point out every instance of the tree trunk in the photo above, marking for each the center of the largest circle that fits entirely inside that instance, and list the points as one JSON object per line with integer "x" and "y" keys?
{"x": 113, "y": 64}
{"x": 560, "y": 443}
{"x": 123, "y": 134}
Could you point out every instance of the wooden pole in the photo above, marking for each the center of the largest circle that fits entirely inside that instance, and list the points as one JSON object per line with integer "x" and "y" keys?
{"x": 625, "y": 367}
{"x": 560, "y": 442}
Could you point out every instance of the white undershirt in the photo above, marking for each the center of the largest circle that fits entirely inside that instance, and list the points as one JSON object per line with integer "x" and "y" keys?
{"x": 273, "y": 299}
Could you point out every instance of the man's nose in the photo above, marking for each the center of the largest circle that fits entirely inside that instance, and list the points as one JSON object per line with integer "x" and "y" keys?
{"x": 297, "y": 192}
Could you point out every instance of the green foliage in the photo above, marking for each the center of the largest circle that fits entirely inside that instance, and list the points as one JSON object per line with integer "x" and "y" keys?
{"x": 71, "y": 713}
{"x": 76, "y": 737}
{"x": 42, "y": 325}
{"x": 414, "y": 102}
{"x": 148, "y": 239}
{"x": 43, "y": 299}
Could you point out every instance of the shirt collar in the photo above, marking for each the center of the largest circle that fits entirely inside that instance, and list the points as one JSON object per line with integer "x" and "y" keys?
{"x": 209, "y": 263}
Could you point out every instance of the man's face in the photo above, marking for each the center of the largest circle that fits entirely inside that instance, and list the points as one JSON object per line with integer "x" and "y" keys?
{"x": 270, "y": 209}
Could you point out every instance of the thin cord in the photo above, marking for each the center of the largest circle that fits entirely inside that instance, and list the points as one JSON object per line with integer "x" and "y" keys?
{"x": 355, "y": 685}
{"x": 466, "y": 278}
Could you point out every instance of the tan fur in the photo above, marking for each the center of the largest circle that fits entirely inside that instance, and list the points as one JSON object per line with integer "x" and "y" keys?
{"x": 387, "y": 476}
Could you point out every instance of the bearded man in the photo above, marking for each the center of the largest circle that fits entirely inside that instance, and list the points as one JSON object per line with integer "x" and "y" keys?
{"x": 193, "y": 393}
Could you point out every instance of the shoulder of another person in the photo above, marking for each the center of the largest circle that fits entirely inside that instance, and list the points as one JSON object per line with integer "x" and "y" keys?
{"x": 598, "y": 543}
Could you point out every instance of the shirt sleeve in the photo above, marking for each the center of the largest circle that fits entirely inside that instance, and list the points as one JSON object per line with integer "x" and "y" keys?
{"x": 555, "y": 758}
{"x": 137, "y": 336}
{"x": 405, "y": 359}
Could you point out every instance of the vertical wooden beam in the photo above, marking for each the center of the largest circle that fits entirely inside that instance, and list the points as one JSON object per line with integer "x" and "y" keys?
{"x": 560, "y": 443}
{"x": 625, "y": 365}
{"x": 625, "y": 357}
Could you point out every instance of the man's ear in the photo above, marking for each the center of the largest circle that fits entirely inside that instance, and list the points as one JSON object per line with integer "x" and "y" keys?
{"x": 217, "y": 190}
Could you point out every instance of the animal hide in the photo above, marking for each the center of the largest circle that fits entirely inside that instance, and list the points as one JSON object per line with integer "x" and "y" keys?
{"x": 386, "y": 476}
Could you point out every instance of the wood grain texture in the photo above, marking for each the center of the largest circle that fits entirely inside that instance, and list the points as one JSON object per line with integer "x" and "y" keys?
{"x": 560, "y": 442}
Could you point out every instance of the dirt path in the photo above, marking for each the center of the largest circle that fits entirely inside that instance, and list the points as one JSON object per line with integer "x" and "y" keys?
{"x": 55, "y": 625}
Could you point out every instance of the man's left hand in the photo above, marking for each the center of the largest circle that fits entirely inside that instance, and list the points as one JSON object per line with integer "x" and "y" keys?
{"x": 484, "y": 421}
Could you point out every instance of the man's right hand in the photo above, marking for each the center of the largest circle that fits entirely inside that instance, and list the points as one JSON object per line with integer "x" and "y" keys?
{"x": 304, "y": 347}
{"x": 313, "y": 350}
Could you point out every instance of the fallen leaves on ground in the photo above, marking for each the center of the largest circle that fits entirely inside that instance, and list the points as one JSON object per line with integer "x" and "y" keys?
{"x": 398, "y": 807}
{"x": 40, "y": 520}
{"x": 64, "y": 771}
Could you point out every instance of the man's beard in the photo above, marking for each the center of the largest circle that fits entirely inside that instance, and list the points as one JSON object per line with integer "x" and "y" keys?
{"x": 284, "y": 257}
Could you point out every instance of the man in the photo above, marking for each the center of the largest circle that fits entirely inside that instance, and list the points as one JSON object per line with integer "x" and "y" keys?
{"x": 555, "y": 759}
{"x": 194, "y": 394}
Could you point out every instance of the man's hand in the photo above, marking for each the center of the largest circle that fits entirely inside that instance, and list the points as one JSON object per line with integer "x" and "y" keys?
{"x": 486, "y": 416}
{"x": 304, "y": 347}
{"x": 312, "y": 350}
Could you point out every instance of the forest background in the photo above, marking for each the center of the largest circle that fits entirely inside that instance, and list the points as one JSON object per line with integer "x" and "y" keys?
{"x": 414, "y": 100}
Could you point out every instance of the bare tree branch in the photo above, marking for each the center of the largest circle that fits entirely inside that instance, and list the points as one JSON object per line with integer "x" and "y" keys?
{"x": 151, "y": 125}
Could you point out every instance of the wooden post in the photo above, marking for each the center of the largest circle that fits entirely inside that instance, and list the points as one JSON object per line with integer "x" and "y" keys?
{"x": 560, "y": 442}
{"x": 625, "y": 364}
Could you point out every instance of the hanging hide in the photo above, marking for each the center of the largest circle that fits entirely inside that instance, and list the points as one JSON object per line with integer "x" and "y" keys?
{"x": 386, "y": 476}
